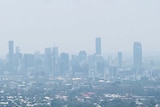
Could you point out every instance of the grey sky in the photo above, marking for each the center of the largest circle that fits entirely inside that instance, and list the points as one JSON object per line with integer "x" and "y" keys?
{"x": 72, "y": 25}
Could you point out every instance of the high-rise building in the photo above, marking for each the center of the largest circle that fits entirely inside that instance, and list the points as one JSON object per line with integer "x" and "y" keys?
{"x": 28, "y": 60}
{"x": 137, "y": 51}
{"x": 82, "y": 56}
{"x": 119, "y": 59}
{"x": 99, "y": 64}
{"x": 55, "y": 60}
{"x": 17, "y": 50}
{"x": 64, "y": 63}
{"x": 83, "y": 63}
{"x": 98, "y": 46}
{"x": 17, "y": 59}
{"x": 11, "y": 56}
{"x": 48, "y": 59}
{"x": 48, "y": 51}
{"x": 55, "y": 52}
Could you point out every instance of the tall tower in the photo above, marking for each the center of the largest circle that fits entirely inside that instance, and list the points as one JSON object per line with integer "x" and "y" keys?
{"x": 55, "y": 60}
{"x": 64, "y": 63}
{"x": 48, "y": 59}
{"x": 17, "y": 59}
{"x": 17, "y": 50}
{"x": 82, "y": 56}
{"x": 119, "y": 59}
{"x": 137, "y": 52}
{"x": 11, "y": 56}
{"x": 98, "y": 46}
{"x": 55, "y": 52}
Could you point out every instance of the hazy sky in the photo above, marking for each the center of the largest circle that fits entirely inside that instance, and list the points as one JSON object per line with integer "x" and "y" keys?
{"x": 72, "y": 25}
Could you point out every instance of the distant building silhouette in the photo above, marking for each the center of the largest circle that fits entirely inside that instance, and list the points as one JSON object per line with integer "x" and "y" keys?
{"x": 17, "y": 59}
{"x": 11, "y": 56}
{"x": 48, "y": 60}
{"x": 119, "y": 59}
{"x": 98, "y": 46}
{"x": 82, "y": 56}
{"x": 75, "y": 64}
{"x": 137, "y": 51}
{"x": 55, "y": 52}
{"x": 55, "y": 60}
{"x": 28, "y": 61}
{"x": 64, "y": 63}
{"x": 99, "y": 64}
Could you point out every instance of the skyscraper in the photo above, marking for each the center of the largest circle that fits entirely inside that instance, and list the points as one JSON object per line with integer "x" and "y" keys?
{"x": 48, "y": 59}
{"x": 82, "y": 56}
{"x": 11, "y": 56}
{"x": 119, "y": 59}
{"x": 11, "y": 47}
{"x": 137, "y": 51}
{"x": 55, "y": 60}
{"x": 29, "y": 60}
{"x": 98, "y": 46}
{"x": 17, "y": 50}
{"x": 17, "y": 59}
{"x": 64, "y": 63}
{"x": 55, "y": 52}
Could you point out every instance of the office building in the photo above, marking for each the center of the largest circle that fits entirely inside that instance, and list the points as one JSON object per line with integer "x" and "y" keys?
{"x": 119, "y": 59}
{"x": 82, "y": 56}
{"x": 28, "y": 61}
{"x": 100, "y": 65}
{"x": 55, "y": 52}
{"x": 48, "y": 60}
{"x": 64, "y": 63}
{"x": 55, "y": 60}
{"x": 17, "y": 59}
{"x": 137, "y": 51}
{"x": 98, "y": 46}
{"x": 11, "y": 56}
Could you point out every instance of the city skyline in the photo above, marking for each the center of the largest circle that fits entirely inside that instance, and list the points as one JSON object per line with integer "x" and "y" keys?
{"x": 77, "y": 23}
{"x": 98, "y": 41}
{"x": 79, "y": 53}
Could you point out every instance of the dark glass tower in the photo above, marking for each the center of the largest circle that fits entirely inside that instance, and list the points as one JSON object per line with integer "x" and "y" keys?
{"x": 98, "y": 46}
{"x": 137, "y": 51}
